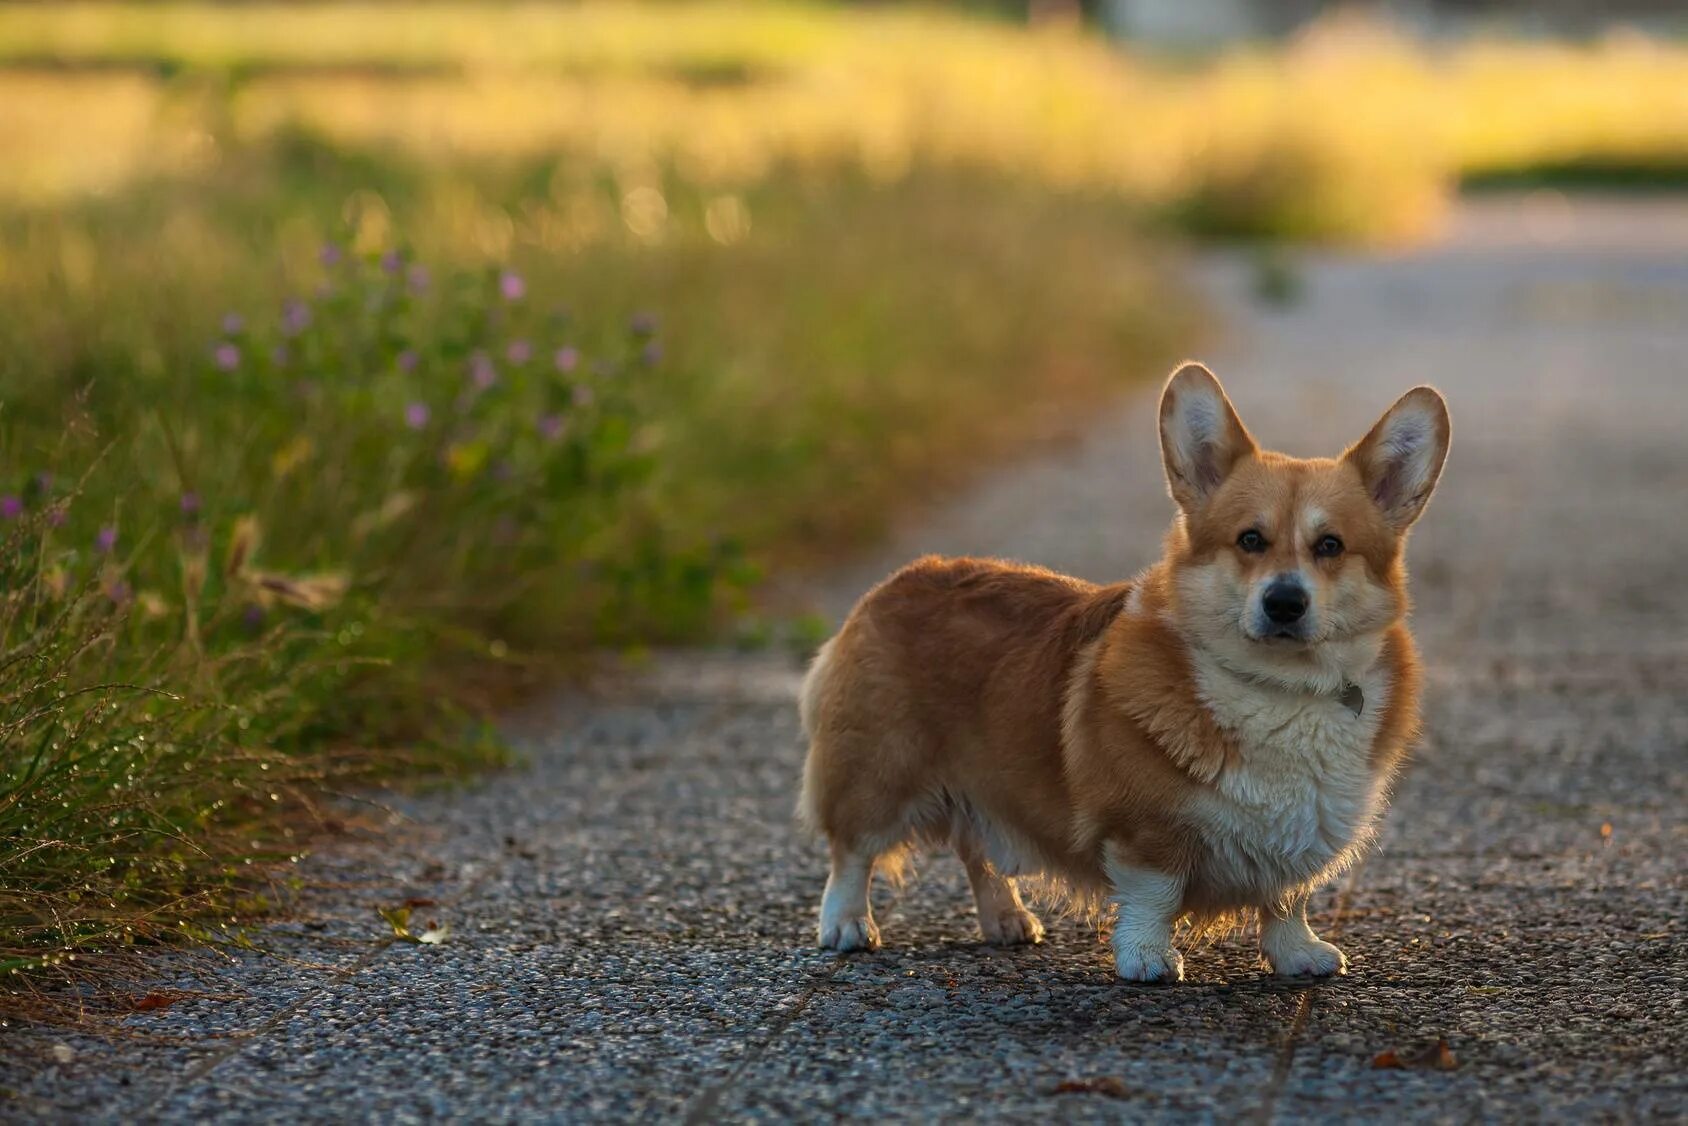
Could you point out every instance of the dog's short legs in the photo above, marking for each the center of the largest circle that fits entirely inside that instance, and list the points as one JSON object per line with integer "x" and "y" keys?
{"x": 1003, "y": 918}
{"x": 1290, "y": 945}
{"x": 1149, "y": 904}
{"x": 846, "y": 917}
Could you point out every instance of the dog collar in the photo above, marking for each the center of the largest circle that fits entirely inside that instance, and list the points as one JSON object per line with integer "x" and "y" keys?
{"x": 1352, "y": 698}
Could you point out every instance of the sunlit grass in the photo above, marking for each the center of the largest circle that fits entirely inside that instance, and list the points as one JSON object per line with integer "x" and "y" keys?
{"x": 458, "y": 36}
{"x": 1348, "y": 132}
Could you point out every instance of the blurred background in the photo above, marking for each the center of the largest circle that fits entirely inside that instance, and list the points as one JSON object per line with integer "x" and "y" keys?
{"x": 363, "y": 363}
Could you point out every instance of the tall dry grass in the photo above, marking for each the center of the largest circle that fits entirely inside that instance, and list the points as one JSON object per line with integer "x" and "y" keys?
{"x": 1348, "y": 132}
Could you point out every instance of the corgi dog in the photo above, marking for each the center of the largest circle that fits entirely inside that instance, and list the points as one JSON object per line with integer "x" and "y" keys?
{"x": 1207, "y": 741}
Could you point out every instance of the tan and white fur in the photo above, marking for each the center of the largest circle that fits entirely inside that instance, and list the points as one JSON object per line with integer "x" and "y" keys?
{"x": 1213, "y": 738}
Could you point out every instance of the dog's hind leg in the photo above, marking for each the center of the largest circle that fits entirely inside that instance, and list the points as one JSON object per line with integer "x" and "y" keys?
{"x": 1003, "y": 918}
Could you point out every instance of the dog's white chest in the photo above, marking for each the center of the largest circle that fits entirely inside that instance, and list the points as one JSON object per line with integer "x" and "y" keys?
{"x": 1300, "y": 791}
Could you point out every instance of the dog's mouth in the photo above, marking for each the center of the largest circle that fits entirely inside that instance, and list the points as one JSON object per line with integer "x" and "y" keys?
{"x": 1283, "y": 637}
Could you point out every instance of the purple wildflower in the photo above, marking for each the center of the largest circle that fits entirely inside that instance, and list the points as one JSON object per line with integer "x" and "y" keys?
{"x": 56, "y": 516}
{"x": 482, "y": 373}
{"x": 391, "y": 262}
{"x": 642, "y": 324}
{"x": 550, "y": 426}
{"x": 11, "y": 507}
{"x": 227, "y": 356}
{"x": 233, "y": 324}
{"x": 511, "y": 285}
{"x": 418, "y": 279}
{"x": 279, "y": 356}
{"x": 567, "y": 359}
{"x": 582, "y": 395}
{"x": 329, "y": 255}
{"x": 253, "y": 617}
{"x": 105, "y": 539}
{"x": 416, "y": 416}
{"x": 190, "y": 504}
{"x": 519, "y": 352}
{"x": 119, "y": 591}
{"x": 651, "y": 354}
{"x": 295, "y": 317}
{"x": 407, "y": 360}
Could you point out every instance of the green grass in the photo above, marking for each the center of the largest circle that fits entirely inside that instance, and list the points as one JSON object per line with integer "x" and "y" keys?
{"x": 1593, "y": 173}
{"x": 281, "y": 520}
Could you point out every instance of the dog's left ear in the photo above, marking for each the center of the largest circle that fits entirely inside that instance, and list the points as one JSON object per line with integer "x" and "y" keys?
{"x": 1401, "y": 457}
{"x": 1202, "y": 439}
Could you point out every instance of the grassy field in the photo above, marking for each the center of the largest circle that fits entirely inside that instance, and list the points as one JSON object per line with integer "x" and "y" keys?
{"x": 1348, "y": 133}
{"x": 308, "y": 459}
{"x": 360, "y": 361}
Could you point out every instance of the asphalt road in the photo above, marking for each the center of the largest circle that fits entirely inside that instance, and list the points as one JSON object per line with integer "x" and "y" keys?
{"x": 632, "y": 916}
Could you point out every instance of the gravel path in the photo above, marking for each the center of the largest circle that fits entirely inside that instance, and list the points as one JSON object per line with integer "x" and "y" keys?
{"x": 632, "y": 916}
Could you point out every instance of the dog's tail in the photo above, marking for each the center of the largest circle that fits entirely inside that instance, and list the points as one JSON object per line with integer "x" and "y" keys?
{"x": 808, "y": 712}
{"x": 814, "y": 683}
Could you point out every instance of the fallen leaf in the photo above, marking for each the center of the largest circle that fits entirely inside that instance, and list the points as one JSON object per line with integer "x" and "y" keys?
{"x": 155, "y": 1001}
{"x": 419, "y": 901}
{"x": 399, "y": 919}
{"x": 1101, "y": 1085}
{"x": 1436, "y": 1057}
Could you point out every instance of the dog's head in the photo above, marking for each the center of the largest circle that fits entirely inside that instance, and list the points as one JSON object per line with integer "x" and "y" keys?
{"x": 1282, "y": 565}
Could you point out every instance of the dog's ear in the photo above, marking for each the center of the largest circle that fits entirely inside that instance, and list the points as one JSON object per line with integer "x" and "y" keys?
{"x": 1401, "y": 457}
{"x": 1202, "y": 439}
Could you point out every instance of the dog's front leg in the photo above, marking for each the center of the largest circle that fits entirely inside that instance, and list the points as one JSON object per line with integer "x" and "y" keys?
{"x": 1290, "y": 945}
{"x": 1149, "y": 903}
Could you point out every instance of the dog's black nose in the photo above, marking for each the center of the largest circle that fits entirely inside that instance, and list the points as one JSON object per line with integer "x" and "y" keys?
{"x": 1284, "y": 602}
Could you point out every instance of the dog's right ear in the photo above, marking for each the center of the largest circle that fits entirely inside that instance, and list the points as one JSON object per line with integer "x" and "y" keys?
{"x": 1201, "y": 436}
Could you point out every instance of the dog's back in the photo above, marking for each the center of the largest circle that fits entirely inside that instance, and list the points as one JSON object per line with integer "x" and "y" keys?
{"x": 943, "y": 659}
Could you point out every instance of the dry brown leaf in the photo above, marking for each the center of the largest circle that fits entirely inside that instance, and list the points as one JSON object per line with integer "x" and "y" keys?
{"x": 1436, "y": 1057}
{"x": 1100, "y": 1085}
{"x": 155, "y": 1001}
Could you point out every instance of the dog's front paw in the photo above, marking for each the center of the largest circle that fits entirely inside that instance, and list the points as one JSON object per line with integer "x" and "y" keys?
{"x": 845, "y": 935}
{"x": 1149, "y": 963}
{"x": 1015, "y": 927}
{"x": 1313, "y": 959}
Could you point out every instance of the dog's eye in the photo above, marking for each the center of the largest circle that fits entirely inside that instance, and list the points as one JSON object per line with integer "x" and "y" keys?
{"x": 1328, "y": 547}
{"x": 1252, "y": 541}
